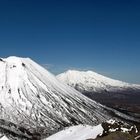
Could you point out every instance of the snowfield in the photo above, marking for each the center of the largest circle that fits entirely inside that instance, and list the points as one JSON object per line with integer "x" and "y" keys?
{"x": 79, "y": 132}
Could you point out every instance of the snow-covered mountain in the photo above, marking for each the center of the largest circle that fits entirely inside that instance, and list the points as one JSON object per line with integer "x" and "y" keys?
{"x": 33, "y": 101}
{"x": 93, "y": 82}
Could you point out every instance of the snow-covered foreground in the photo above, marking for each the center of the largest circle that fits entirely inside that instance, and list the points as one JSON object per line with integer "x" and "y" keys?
{"x": 79, "y": 132}
{"x": 85, "y": 132}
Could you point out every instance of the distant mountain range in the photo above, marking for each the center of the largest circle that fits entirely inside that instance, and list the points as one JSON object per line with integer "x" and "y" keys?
{"x": 89, "y": 81}
{"x": 113, "y": 93}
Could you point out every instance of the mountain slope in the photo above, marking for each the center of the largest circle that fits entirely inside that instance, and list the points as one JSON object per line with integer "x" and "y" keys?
{"x": 33, "y": 101}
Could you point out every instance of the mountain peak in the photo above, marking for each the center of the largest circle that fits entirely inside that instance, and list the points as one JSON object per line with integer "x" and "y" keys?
{"x": 14, "y": 60}
{"x": 82, "y": 72}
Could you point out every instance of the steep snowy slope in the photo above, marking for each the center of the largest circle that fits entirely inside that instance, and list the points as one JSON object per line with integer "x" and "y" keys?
{"x": 33, "y": 99}
{"x": 91, "y": 81}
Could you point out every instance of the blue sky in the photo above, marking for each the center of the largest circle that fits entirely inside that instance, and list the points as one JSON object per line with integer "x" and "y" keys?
{"x": 101, "y": 35}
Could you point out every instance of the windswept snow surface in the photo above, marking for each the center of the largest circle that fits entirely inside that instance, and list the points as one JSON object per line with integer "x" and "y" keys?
{"x": 80, "y": 132}
{"x": 93, "y": 82}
